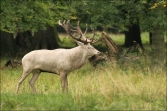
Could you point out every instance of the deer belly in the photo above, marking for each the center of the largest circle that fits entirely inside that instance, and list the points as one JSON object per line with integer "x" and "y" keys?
{"x": 51, "y": 68}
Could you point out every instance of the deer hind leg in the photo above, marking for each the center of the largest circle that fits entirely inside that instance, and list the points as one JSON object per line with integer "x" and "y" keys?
{"x": 64, "y": 82}
{"x": 33, "y": 79}
{"x": 24, "y": 75}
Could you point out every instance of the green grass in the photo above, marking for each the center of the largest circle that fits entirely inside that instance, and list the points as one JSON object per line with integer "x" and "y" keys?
{"x": 108, "y": 87}
{"x": 128, "y": 86}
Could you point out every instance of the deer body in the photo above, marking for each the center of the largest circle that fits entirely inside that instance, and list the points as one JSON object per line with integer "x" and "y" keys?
{"x": 58, "y": 61}
{"x": 55, "y": 61}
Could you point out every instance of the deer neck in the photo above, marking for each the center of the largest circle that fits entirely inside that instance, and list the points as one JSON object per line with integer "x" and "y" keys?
{"x": 78, "y": 56}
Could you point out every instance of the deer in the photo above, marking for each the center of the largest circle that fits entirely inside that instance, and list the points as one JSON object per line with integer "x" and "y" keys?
{"x": 59, "y": 61}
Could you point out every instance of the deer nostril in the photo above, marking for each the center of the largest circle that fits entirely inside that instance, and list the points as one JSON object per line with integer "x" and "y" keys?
{"x": 98, "y": 52}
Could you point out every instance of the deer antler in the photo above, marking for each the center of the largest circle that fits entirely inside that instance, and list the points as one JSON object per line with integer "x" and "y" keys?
{"x": 71, "y": 30}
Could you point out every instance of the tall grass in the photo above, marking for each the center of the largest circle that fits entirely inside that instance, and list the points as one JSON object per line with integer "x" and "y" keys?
{"x": 106, "y": 88}
{"x": 128, "y": 86}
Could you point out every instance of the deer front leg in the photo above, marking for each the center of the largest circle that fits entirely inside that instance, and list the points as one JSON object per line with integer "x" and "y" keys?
{"x": 32, "y": 81}
{"x": 64, "y": 82}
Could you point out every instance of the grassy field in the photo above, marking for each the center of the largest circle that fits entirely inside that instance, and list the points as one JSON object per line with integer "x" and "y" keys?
{"x": 130, "y": 86}
{"x": 106, "y": 88}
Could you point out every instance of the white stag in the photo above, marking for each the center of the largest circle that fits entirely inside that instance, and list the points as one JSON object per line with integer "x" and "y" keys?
{"x": 59, "y": 61}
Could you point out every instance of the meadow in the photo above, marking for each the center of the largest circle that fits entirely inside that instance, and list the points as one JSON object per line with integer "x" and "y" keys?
{"x": 110, "y": 86}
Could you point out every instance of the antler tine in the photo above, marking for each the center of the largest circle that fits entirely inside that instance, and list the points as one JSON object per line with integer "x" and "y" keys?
{"x": 93, "y": 35}
{"x": 59, "y": 23}
{"x": 78, "y": 28}
{"x": 68, "y": 22}
{"x": 94, "y": 41}
{"x": 92, "y": 38}
{"x": 64, "y": 22}
{"x": 86, "y": 29}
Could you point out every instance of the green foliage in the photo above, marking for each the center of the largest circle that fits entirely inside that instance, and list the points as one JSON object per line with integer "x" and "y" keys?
{"x": 32, "y": 14}
{"x": 153, "y": 17}
{"x": 96, "y": 13}
{"x": 121, "y": 13}
{"x": 36, "y": 14}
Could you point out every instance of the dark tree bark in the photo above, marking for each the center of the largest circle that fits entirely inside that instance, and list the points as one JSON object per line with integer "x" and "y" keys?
{"x": 133, "y": 34}
{"x": 150, "y": 37}
{"x": 24, "y": 41}
{"x": 158, "y": 49}
{"x": 45, "y": 39}
{"x": 8, "y": 45}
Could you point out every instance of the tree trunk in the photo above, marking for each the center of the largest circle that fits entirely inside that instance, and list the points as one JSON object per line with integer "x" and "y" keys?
{"x": 8, "y": 45}
{"x": 133, "y": 34}
{"x": 24, "y": 41}
{"x": 158, "y": 49}
{"x": 45, "y": 39}
{"x": 150, "y": 37}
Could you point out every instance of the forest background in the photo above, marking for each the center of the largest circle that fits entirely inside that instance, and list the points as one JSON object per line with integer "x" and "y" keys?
{"x": 33, "y": 24}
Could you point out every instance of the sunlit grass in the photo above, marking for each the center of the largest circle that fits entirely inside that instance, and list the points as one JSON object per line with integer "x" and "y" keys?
{"x": 105, "y": 88}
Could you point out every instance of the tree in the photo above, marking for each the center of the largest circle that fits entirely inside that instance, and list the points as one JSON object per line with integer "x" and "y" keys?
{"x": 34, "y": 16}
{"x": 45, "y": 39}
{"x": 121, "y": 14}
{"x": 129, "y": 16}
{"x": 158, "y": 14}
{"x": 31, "y": 15}
{"x": 7, "y": 43}
{"x": 133, "y": 35}
{"x": 131, "y": 12}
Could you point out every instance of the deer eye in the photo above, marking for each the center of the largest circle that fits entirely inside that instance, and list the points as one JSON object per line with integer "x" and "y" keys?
{"x": 89, "y": 47}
